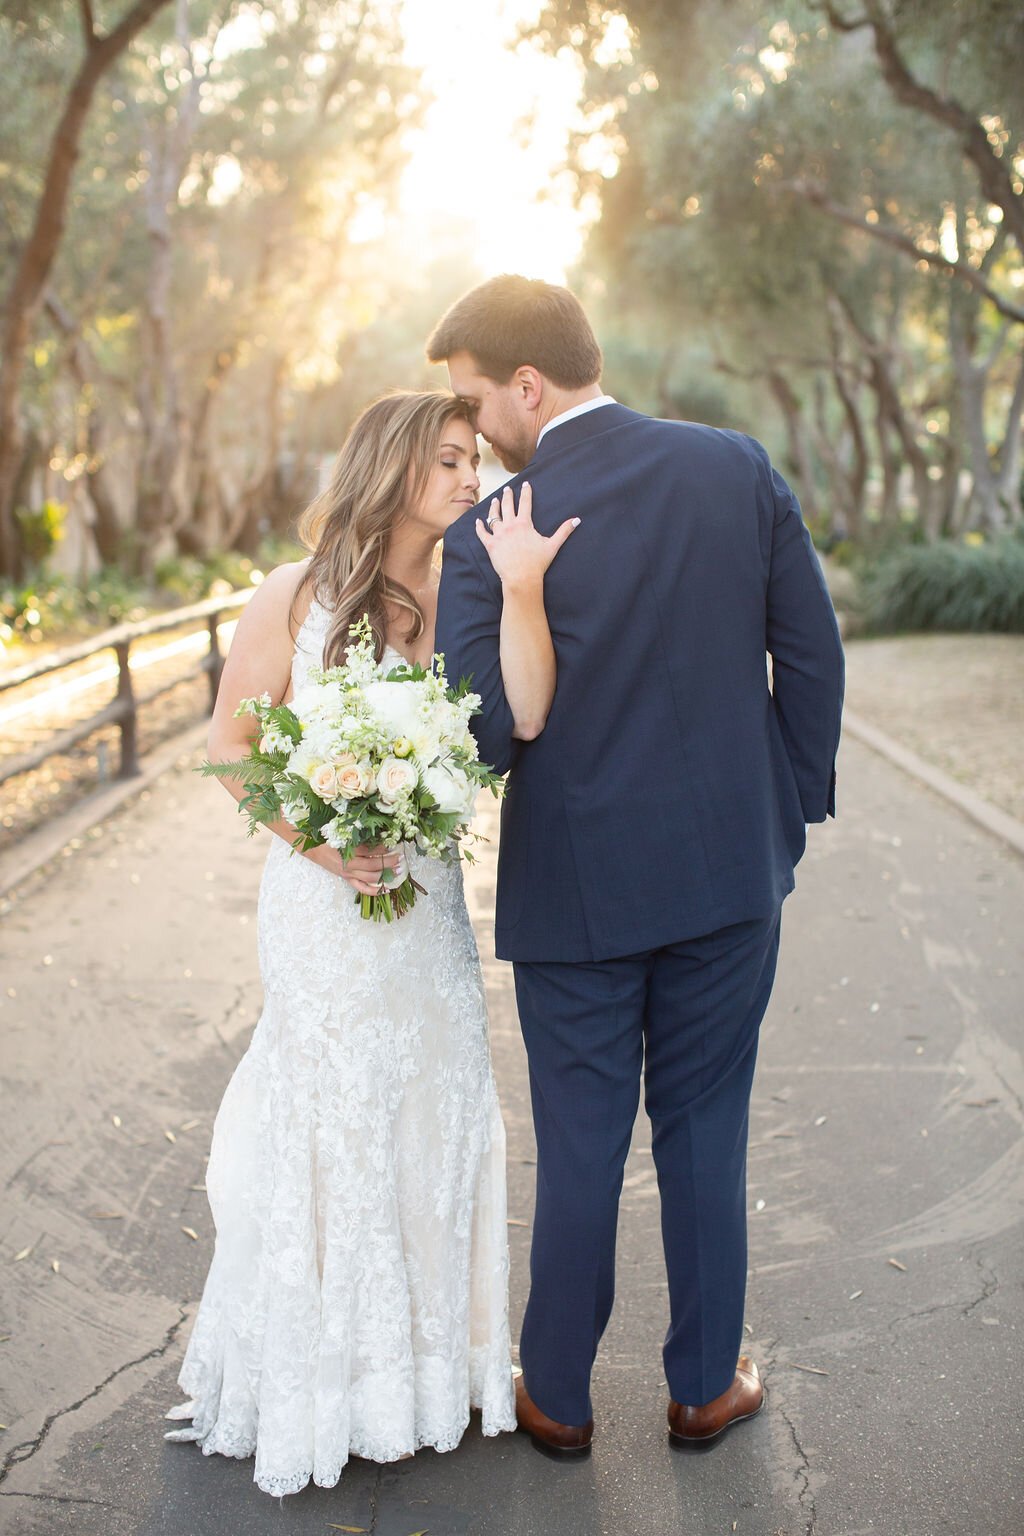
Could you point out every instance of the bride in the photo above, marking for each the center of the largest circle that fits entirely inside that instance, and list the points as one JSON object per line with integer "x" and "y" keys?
{"x": 357, "y": 1302}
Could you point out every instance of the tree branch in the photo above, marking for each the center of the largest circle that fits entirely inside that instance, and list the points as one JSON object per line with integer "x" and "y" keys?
{"x": 994, "y": 173}
{"x": 88, "y": 23}
{"x": 815, "y": 193}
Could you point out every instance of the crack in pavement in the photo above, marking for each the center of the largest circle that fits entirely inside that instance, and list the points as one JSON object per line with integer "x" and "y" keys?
{"x": 989, "y": 1284}
{"x": 233, "y": 1007}
{"x": 374, "y": 1496}
{"x": 802, "y": 1473}
{"x": 63, "y": 1498}
{"x": 30, "y": 1447}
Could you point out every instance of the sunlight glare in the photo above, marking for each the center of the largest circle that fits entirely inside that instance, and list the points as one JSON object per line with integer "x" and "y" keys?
{"x": 489, "y": 156}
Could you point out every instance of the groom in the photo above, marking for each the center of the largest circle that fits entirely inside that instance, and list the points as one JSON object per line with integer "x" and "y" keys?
{"x": 649, "y": 833}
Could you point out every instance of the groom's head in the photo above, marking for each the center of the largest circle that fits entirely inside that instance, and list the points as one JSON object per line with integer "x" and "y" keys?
{"x": 519, "y": 352}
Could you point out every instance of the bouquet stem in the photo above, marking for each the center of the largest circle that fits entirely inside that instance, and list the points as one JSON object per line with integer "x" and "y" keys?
{"x": 388, "y": 905}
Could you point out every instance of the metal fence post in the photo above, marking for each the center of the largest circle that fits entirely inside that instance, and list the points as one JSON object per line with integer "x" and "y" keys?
{"x": 129, "y": 720}
{"x": 216, "y": 659}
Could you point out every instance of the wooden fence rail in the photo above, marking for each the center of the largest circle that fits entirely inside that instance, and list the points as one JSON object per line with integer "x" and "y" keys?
{"x": 124, "y": 707}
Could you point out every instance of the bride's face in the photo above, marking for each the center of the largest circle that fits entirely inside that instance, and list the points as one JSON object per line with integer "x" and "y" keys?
{"x": 453, "y": 484}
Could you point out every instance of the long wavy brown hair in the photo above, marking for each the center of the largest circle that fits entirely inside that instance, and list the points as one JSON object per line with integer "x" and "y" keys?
{"x": 381, "y": 470}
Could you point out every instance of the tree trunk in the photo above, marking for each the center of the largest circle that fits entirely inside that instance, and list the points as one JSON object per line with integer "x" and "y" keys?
{"x": 1010, "y": 453}
{"x": 107, "y": 532}
{"x": 796, "y": 437}
{"x": 857, "y": 475}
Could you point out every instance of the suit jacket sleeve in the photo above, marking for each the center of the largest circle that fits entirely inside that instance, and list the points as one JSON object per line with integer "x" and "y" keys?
{"x": 469, "y": 634}
{"x": 802, "y": 637}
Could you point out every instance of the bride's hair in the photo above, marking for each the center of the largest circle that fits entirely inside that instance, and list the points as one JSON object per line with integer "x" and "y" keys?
{"x": 382, "y": 469}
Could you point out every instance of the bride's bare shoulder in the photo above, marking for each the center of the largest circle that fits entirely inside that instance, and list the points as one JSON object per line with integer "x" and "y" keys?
{"x": 284, "y": 595}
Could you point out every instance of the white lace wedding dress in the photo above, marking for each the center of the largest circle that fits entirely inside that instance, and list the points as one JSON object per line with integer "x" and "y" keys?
{"x": 357, "y": 1299}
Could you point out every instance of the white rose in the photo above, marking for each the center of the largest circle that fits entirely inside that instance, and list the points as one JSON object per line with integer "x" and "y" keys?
{"x": 449, "y": 787}
{"x": 354, "y": 778}
{"x": 396, "y": 776}
{"x": 324, "y": 780}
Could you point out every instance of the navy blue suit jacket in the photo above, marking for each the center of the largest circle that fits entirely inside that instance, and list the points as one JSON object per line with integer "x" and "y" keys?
{"x": 668, "y": 792}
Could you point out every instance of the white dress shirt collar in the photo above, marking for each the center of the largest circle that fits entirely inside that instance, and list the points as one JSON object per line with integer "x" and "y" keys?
{"x": 577, "y": 410}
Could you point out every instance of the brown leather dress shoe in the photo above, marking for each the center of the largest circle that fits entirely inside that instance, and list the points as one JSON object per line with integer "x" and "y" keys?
{"x": 563, "y": 1442}
{"x": 696, "y": 1429}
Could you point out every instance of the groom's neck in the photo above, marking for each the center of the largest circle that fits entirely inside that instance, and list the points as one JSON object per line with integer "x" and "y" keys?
{"x": 556, "y": 402}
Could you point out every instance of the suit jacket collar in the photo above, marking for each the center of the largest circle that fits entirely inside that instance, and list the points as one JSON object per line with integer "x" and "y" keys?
{"x": 591, "y": 424}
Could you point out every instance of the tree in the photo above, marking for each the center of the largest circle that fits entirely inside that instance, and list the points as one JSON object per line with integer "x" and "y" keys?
{"x": 211, "y": 275}
{"x": 826, "y": 240}
{"x": 35, "y": 261}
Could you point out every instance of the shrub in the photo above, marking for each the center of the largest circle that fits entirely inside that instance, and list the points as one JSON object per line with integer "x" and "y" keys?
{"x": 42, "y": 529}
{"x": 974, "y": 586}
{"x": 47, "y": 607}
{"x": 190, "y": 578}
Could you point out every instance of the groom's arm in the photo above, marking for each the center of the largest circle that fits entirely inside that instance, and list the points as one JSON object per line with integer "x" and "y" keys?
{"x": 802, "y": 637}
{"x": 469, "y": 633}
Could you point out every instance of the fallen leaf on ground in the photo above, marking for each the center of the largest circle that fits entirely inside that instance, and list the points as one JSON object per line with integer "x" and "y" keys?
{"x": 813, "y": 1369}
{"x": 353, "y": 1528}
{"x": 170, "y": 1136}
{"x": 821, "y": 1120}
{"x": 116, "y": 1120}
{"x": 24, "y": 1253}
{"x": 55, "y": 1266}
{"x": 514, "y": 1221}
{"x": 897, "y": 1265}
{"x": 189, "y": 1233}
{"x": 189, "y": 1125}
{"x": 854, "y": 1294}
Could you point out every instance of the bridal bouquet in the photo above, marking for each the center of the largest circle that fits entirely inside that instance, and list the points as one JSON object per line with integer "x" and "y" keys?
{"x": 367, "y": 754}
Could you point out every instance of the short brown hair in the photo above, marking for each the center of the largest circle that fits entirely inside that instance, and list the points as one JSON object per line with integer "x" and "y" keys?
{"x": 511, "y": 321}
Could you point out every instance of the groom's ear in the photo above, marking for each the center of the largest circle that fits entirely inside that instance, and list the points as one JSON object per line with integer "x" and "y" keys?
{"x": 528, "y": 385}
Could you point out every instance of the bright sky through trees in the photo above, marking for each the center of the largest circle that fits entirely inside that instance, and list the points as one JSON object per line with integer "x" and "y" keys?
{"x": 486, "y": 165}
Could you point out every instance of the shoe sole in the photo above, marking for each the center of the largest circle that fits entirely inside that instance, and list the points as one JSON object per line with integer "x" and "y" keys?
{"x": 706, "y": 1442}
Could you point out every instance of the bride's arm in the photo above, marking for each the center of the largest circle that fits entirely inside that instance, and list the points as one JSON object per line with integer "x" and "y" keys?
{"x": 520, "y": 556}
{"x": 260, "y": 661}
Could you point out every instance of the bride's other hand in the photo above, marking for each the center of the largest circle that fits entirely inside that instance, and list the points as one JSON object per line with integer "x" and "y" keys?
{"x": 519, "y": 554}
{"x": 364, "y": 869}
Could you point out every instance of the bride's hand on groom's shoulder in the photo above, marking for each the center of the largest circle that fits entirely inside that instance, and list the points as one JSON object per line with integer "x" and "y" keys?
{"x": 520, "y": 555}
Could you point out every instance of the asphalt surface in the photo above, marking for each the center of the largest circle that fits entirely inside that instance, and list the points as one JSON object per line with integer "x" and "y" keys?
{"x": 886, "y": 1180}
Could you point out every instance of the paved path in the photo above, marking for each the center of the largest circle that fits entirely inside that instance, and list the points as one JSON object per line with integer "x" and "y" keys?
{"x": 886, "y": 1127}
{"x": 956, "y": 700}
